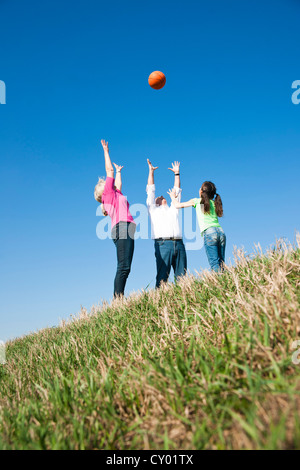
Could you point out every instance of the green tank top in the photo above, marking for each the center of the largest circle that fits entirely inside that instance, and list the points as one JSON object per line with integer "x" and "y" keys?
{"x": 206, "y": 220}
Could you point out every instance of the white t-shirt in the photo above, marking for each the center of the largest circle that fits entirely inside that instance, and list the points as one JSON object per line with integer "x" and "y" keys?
{"x": 165, "y": 221}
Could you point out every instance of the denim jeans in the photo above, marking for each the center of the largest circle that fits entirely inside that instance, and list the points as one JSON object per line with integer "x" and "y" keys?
{"x": 123, "y": 238}
{"x": 169, "y": 253}
{"x": 215, "y": 242}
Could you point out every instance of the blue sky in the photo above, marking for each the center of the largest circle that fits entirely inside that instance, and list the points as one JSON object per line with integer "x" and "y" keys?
{"x": 77, "y": 72}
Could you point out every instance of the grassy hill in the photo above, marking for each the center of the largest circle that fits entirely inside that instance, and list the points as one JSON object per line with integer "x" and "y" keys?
{"x": 206, "y": 364}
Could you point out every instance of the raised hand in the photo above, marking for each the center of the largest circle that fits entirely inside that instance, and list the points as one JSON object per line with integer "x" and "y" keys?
{"x": 118, "y": 180}
{"x": 104, "y": 145}
{"x": 108, "y": 165}
{"x": 151, "y": 167}
{"x": 175, "y": 167}
{"x": 172, "y": 194}
{"x": 118, "y": 167}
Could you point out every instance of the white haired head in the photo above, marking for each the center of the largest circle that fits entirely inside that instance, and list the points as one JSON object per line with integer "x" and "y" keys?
{"x": 99, "y": 188}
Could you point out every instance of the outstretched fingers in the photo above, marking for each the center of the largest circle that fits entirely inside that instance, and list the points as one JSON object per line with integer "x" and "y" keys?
{"x": 104, "y": 144}
{"x": 151, "y": 167}
{"x": 175, "y": 167}
{"x": 118, "y": 167}
{"x": 172, "y": 193}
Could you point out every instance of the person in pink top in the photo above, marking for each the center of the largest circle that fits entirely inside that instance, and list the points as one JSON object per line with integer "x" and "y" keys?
{"x": 114, "y": 203}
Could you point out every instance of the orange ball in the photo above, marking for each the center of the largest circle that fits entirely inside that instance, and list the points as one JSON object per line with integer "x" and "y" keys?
{"x": 157, "y": 80}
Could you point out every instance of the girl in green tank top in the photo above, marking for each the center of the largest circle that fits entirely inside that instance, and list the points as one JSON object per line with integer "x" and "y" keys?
{"x": 208, "y": 208}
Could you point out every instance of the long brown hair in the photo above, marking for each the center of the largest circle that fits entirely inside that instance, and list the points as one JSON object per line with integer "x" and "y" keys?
{"x": 209, "y": 192}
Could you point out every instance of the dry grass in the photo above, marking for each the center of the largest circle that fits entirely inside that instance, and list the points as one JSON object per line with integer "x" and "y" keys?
{"x": 205, "y": 364}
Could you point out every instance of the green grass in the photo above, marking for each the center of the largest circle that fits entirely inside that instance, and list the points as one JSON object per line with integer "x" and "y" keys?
{"x": 204, "y": 364}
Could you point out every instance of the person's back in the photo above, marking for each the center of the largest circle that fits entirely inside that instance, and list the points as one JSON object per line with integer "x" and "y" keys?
{"x": 166, "y": 230}
{"x": 209, "y": 208}
{"x": 206, "y": 220}
{"x": 114, "y": 204}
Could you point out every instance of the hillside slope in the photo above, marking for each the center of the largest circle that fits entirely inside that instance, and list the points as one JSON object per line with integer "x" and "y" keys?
{"x": 206, "y": 364}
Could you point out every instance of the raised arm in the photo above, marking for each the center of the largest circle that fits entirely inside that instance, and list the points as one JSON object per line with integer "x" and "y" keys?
{"x": 151, "y": 172}
{"x": 180, "y": 205}
{"x": 118, "y": 180}
{"x": 175, "y": 168}
{"x": 108, "y": 165}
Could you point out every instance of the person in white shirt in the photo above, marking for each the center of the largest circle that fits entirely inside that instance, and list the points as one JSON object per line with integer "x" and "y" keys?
{"x": 166, "y": 230}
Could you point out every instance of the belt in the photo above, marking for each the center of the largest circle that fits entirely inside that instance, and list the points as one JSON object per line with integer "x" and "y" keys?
{"x": 172, "y": 238}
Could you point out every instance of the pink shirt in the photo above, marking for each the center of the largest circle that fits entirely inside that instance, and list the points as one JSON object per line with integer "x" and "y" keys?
{"x": 115, "y": 204}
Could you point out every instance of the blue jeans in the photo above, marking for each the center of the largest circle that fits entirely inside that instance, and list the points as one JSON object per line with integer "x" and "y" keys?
{"x": 123, "y": 237}
{"x": 215, "y": 242}
{"x": 169, "y": 254}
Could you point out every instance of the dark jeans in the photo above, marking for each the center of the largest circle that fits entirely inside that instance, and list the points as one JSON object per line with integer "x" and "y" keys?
{"x": 215, "y": 243}
{"x": 123, "y": 237}
{"x": 169, "y": 253}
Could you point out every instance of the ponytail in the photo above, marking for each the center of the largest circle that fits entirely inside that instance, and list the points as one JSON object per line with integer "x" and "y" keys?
{"x": 218, "y": 205}
{"x": 206, "y": 202}
{"x": 209, "y": 192}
